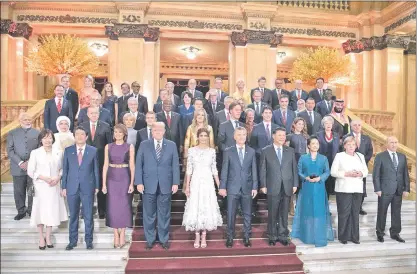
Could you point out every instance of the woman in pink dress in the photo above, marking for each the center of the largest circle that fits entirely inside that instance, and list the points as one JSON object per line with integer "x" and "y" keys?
{"x": 87, "y": 91}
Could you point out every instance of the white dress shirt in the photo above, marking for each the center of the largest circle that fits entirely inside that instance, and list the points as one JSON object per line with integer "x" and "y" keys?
{"x": 56, "y": 100}
{"x": 135, "y": 114}
{"x": 82, "y": 149}
{"x": 390, "y": 155}
{"x": 233, "y": 122}
{"x": 155, "y": 142}
{"x": 343, "y": 163}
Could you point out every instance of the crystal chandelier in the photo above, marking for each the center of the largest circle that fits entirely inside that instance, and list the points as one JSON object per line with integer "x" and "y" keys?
{"x": 99, "y": 49}
{"x": 191, "y": 52}
{"x": 280, "y": 57}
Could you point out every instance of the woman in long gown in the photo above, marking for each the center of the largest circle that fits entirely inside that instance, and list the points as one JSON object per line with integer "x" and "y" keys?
{"x": 45, "y": 168}
{"x": 109, "y": 99}
{"x": 87, "y": 91}
{"x": 312, "y": 222}
{"x": 118, "y": 176}
{"x": 202, "y": 211}
{"x": 64, "y": 137}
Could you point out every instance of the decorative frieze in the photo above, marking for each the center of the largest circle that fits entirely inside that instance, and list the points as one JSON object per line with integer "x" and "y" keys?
{"x": 66, "y": 19}
{"x": 326, "y": 5}
{"x": 15, "y": 29}
{"x": 401, "y": 22}
{"x": 314, "y": 32}
{"x": 256, "y": 37}
{"x": 376, "y": 43}
{"x": 194, "y": 25}
{"x": 131, "y": 18}
{"x": 132, "y": 31}
{"x": 411, "y": 48}
{"x": 5, "y": 25}
{"x": 258, "y": 25}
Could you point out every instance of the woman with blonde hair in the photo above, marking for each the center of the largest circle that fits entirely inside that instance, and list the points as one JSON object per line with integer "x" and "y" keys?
{"x": 87, "y": 91}
{"x": 129, "y": 121}
{"x": 64, "y": 137}
{"x": 249, "y": 121}
{"x": 240, "y": 92}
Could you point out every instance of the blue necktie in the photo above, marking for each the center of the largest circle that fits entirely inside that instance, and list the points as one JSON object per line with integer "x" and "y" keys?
{"x": 279, "y": 155}
{"x": 241, "y": 156}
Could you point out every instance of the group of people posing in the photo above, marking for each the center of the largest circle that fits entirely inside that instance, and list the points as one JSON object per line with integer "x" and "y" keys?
{"x": 296, "y": 147}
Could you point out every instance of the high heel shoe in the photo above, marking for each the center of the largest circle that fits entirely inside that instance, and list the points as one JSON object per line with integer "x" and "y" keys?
{"x": 197, "y": 240}
{"x": 43, "y": 247}
{"x": 49, "y": 246}
{"x": 203, "y": 240}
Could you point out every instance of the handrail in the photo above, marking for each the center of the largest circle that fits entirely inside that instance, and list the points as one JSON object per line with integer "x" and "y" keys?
{"x": 371, "y": 111}
{"x": 18, "y": 103}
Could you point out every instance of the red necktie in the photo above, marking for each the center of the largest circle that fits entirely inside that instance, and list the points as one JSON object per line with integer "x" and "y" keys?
{"x": 93, "y": 131}
{"x": 59, "y": 106}
{"x": 168, "y": 119}
{"x": 228, "y": 116}
{"x": 80, "y": 156}
{"x": 284, "y": 117}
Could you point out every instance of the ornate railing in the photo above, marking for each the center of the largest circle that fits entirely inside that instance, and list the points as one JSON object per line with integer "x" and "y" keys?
{"x": 10, "y": 110}
{"x": 326, "y": 5}
{"x": 380, "y": 120}
{"x": 379, "y": 141}
{"x": 37, "y": 113}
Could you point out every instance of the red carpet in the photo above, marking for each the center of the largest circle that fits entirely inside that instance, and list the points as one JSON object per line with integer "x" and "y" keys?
{"x": 183, "y": 258}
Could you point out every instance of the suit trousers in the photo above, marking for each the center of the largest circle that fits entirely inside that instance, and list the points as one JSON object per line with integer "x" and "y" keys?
{"x": 87, "y": 201}
{"x": 156, "y": 207}
{"x": 330, "y": 185}
{"x": 383, "y": 202}
{"x": 21, "y": 185}
{"x": 233, "y": 202}
{"x": 101, "y": 197}
{"x": 278, "y": 206}
{"x": 348, "y": 207}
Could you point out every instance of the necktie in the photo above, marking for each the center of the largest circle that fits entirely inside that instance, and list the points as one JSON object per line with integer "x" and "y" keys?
{"x": 219, "y": 95}
{"x": 284, "y": 117}
{"x": 59, "y": 106}
{"x": 311, "y": 117}
{"x": 257, "y": 108}
{"x": 328, "y": 106}
{"x": 158, "y": 150}
{"x": 241, "y": 155}
{"x": 93, "y": 131}
{"x": 237, "y": 124}
{"x": 80, "y": 156}
{"x": 320, "y": 93}
{"x": 262, "y": 91}
{"x": 150, "y": 133}
{"x": 279, "y": 155}
{"x": 358, "y": 141}
{"x": 214, "y": 107}
{"x": 394, "y": 161}
{"x": 268, "y": 132}
{"x": 168, "y": 119}
{"x": 298, "y": 94}
{"x": 228, "y": 116}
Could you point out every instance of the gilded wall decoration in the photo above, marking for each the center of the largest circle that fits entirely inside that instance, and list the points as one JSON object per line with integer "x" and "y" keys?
{"x": 258, "y": 25}
{"x": 194, "y": 25}
{"x": 5, "y": 25}
{"x": 132, "y": 31}
{"x": 376, "y": 43}
{"x": 400, "y": 22}
{"x": 256, "y": 37}
{"x": 15, "y": 29}
{"x": 131, "y": 18}
{"x": 314, "y": 32}
{"x": 67, "y": 19}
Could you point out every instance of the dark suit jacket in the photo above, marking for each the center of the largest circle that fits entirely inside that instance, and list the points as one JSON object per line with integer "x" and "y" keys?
{"x": 225, "y": 137}
{"x": 140, "y": 120}
{"x": 294, "y": 98}
{"x": 275, "y": 100}
{"x": 274, "y": 175}
{"x": 222, "y": 96}
{"x": 237, "y": 178}
{"x": 104, "y": 116}
{"x": 142, "y": 103}
{"x": 277, "y": 119}
{"x": 158, "y": 108}
{"x": 386, "y": 178}
{"x": 141, "y": 136}
{"x": 72, "y": 96}
{"x": 209, "y": 108}
{"x": 266, "y": 97}
{"x": 312, "y": 129}
{"x": 258, "y": 117}
{"x": 122, "y": 104}
{"x": 51, "y": 113}
{"x": 258, "y": 139}
{"x": 173, "y": 133}
{"x": 314, "y": 93}
{"x": 365, "y": 147}
{"x": 322, "y": 109}
{"x": 197, "y": 94}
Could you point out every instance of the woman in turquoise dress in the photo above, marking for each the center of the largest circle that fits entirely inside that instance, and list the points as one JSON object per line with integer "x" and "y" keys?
{"x": 312, "y": 222}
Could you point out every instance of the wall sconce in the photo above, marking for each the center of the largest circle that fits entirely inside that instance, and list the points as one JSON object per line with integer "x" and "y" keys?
{"x": 191, "y": 52}
{"x": 280, "y": 57}
{"x": 99, "y": 49}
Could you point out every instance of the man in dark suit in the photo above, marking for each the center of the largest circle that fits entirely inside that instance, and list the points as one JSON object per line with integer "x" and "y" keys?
{"x": 55, "y": 107}
{"x": 192, "y": 83}
{"x": 283, "y": 116}
{"x": 258, "y": 106}
{"x": 218, "y": 83}
{"x": 279, "y": 180}
{"x": 212, "y": 104}
{"x": 20, "y": 143}
{"x": 157, "y": 176}
{"x": 172, "y": 121}
{"x": 278, "y": 92}
{"x": 225, "y": 136}
{"x": 312, "y": 118}
{"x": 175, "y": 99}
{"x": 364, "y": 146}
{"x": 133, "y": 109}
{"x": 266, "y": 93}
{"x": 318, "y": 92}
{"x": 391, "y": 183}
{"x": 297, "y": 94}
{"x": 99, "y": 135}
{"x": 145, "y": 133}
{"x": 239, "y": 182}
{"x": 80, "y": 180}
{"x": 142, "y": 100}
{"x": 325, "y": 107}
{"x": 122, "y": 101}
{"x": 223, "y": 115}
{"x": 70, "y": 94}
{"x": 104, "y": 114}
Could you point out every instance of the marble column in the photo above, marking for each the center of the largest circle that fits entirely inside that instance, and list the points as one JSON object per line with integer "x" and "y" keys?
{"x": 410, "y": 92}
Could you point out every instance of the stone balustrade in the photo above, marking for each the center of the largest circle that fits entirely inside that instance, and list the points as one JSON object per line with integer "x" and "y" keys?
{"x": 380, "y": 120}
{"x": 37, "y": 113}
{"x": 10, "y": 110}
{"x": 326, "y": 5}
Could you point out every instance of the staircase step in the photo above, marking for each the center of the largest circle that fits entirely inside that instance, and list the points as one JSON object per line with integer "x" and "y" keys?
{"x": 389, "y": 270}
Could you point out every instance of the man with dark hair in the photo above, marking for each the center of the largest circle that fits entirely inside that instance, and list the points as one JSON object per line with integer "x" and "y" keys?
{"x": 297, "y": 94}
{"x": 70, "y": 94}
{"x": 278, "y": 92}
{"x": 318, "y": 92}
{"x": 312, "y": 118}
{"x": 104, "y": 114}
{"x": 341, "y": 120}
{"x": 55, "y": 107}
{"x": 122, "y": 101}
{"x": 225, "y": 137}
{"x": 142, "y": 100}
{"x": 283, "y": 116}
{"x": 145, "y": 133}
{"x": 266, "y": 93}
{"x": 172, "y": 123}
{"x": 218, "y": 83}
{"x": 325, "y": 107}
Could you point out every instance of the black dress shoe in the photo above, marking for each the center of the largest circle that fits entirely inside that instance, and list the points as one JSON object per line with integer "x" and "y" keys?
{"x": 380, "y": 239}
{"x": 356, "y": 242}
{"x": 229, "y": 243}
{"x": 29, "y": 213}
{"x": 246, "y": 242}
{"x": 90, "y": 246}
{"x": 362, "y": 212}
{"x": 343, "y": 242}
{"x": 271, "y": 242}
{"x": 70, "y": 246}
{"x": 284, "y": 242}
{"x": 19, "y": 216}
{"x": 165, "y": 246}
{"x": 398, "y": 238}
{"x": 149, "y": 246}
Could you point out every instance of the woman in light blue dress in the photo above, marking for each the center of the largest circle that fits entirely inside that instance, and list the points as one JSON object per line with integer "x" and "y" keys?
{"x": 312, "y": 222}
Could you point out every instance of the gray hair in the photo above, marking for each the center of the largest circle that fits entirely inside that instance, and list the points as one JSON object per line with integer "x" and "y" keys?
{"x": 240, "y": 129}
{"x": 249, "y": 110}
{"x": 227, "y": 98}
{"x": 131, "y": 99}
{"x": 327, "y": 119}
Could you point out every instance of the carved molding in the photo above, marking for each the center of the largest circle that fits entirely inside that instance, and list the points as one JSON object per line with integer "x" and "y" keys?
{"x": 15, "y": 29}
{"x": 376, "y": 43}
{"x": 411, "y": 48}
{"x": 400, "y": 22}
{"x": 66, "y": 19}
{"x": 132, "y": 31}
{"x": 256, "y": 37}
{"x": 131, "y": 18}
{"x": 194, "y": 25}
{"x": 314, "y": 32}
{"x": 5, "y": 25}
{"x": 258, "y": 25}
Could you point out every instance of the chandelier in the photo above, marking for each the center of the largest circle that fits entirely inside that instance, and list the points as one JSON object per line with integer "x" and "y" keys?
{"x": 99, "y": 49}
{"x": 191, "y": 52}
{"x": 280, "y": 57}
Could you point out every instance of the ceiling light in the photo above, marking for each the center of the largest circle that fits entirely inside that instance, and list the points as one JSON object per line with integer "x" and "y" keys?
{"x": 280, "y": 57}
{"x": 99, "y": 49}
{"x": 191, "y": 52}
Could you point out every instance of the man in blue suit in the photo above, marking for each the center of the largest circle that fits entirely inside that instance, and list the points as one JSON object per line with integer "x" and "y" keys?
{"x": 104, "y": 114}
{"x": 157, "y": 177}
{"x": 239, "y": 181}
{"x": 283, "y": 116}
{"x": 55, "y": 107}
{"x": 80, "y": 181}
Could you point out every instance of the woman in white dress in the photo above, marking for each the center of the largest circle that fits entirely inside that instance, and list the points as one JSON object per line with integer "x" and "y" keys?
{"x": 64, "y": 137}
{"x": 202, "y": 211}
{"x": 45, "y": 168}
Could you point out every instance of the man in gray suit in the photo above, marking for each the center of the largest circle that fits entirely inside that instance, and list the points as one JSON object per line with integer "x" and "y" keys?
{"x": 391, "y": 183}
{"x": 279, "y": 180}
{"x": 239, "y": 181}
{"x": 20, "y": 142}
{"x": 157, "y": 177}
{"x": 312, "y": 118}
